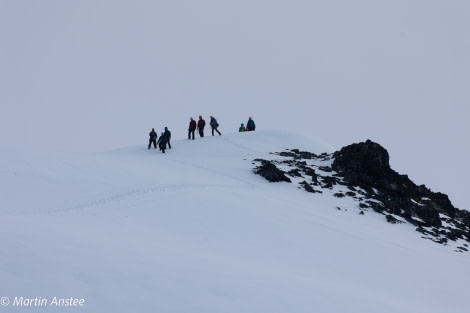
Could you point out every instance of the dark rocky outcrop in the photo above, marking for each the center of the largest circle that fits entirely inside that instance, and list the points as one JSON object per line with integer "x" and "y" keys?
{"x": 392, "y": 220}
{"x": 269, "y": 171}
{"x": 365, "y": 170}
{"x": 367, "y": 165}
{"x": 308, "y": 187}
{"x": 363, "y": 164}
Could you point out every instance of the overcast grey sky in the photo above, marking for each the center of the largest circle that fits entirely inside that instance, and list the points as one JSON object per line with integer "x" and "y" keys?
{"x": 96, "y": 75}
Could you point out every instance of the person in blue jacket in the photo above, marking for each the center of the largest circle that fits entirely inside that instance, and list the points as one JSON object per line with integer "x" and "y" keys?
{"x": 214, "y": 124}
{"x": 250, "y": 125}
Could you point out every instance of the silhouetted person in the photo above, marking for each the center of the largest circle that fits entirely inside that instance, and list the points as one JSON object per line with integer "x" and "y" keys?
{"x": 192, "y": 128}
{"x": 214, "y": 124}
{"x": 167, "y": 134}
{"x": 250, "y": 125}
{"x": 153, "y": 138}
{"x": 200, "y": 126}
{"x": 162, "y": 142}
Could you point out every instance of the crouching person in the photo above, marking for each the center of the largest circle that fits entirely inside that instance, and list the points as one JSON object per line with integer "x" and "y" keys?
{"x": 162, "y": 141}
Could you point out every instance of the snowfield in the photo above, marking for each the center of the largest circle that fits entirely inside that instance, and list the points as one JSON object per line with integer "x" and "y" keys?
{"x": 195, "y": 230}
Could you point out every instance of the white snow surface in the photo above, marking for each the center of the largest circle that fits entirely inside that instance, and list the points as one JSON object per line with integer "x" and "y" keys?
{"x": 195, "y": 230}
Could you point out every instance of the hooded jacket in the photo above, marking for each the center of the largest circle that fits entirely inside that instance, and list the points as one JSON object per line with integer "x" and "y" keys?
{"x": 153, "y": 135}
{"x": 192, "y": 125}
{"x": 201, "y": 123}
{"x": 214, "y": 122}
{"x": 250, "y": 124}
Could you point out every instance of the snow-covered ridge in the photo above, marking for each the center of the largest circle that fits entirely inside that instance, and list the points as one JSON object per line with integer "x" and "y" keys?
{"x": 195, "y": 230}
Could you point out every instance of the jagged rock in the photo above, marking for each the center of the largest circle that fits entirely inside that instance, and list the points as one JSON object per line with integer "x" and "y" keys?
{"x": 294, "y": 173}
{"x": 307, "y": 187}
{"x": 330, "y": 181}
{"x": 392, "y": 220}
{"x": 328, "y": 185}
{"x": 296, "y": 154}
{"x": 367, "y": 165}
{"x": 364, "y": 169}
{"x": 304, "y": 154}
{"x": 430, "y": 217}
{"x": 286, "y": 154}
{"x": 367, "y": 158}
{"x": 269, "y": 171}
{"x": 308, "y": 171}
{"x": 325, "y": 169}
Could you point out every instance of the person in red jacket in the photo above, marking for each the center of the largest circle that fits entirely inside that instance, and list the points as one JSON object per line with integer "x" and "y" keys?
{"x": 192, "y": 128}
{"x": 200, "y": 126}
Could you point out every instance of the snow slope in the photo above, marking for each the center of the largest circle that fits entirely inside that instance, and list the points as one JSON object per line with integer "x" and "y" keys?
{"x": 194, "y": 230}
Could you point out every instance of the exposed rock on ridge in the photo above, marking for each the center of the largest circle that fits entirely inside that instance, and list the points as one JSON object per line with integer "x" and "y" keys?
{"x": 364, "y": 169}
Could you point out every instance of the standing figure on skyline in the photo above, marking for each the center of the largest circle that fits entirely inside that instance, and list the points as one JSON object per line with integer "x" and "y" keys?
{"x": 153, "y": 138}
{"x": 162, "y": 143}
{"x": 200, "y": 126}
{"x": 167, "y": 135}
{"x": 192, "y": 128}
{"x": 250, "y": 125}
{"x": 214, "y": 124}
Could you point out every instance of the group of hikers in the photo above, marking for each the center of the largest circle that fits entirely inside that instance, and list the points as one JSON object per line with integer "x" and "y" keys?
{"x": 250, "y": 126}
{"x": 165, "y": 136}
{"x": 201, "y": 123}
{"x": 164, "y": 139}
